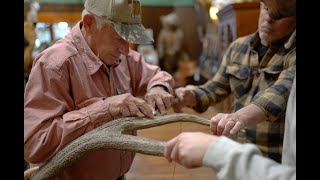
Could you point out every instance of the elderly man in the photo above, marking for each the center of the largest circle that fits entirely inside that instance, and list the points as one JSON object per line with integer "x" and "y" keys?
{"x": 89, "y": 78}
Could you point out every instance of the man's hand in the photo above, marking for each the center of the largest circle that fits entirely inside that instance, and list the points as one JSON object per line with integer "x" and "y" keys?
{"x": 126, "y": 105}
{"x": 158, "y": 97}
{"x": 225, "y": 124}
{"x": 188, "y": 149}
{"x": 184, "y": 97}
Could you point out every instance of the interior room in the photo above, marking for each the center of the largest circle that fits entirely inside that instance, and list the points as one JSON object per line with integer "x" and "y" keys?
{"x": 190, "y": 40}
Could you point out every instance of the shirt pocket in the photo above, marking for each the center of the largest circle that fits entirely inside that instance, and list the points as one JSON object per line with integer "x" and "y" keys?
{"x": 270, "y": 74}
{"x": 239, "y": 79}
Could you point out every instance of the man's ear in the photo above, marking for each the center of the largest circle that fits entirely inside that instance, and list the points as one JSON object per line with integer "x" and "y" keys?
{"x": 88, "y": 21}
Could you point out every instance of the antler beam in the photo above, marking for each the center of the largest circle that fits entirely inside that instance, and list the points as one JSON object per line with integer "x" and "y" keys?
{"x": 108, "y": 136}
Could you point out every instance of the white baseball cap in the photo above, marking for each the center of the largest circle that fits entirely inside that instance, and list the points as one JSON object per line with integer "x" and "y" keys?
{"x": 125, "y": 16}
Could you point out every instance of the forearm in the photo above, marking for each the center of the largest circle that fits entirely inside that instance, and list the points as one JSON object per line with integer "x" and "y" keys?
{"x": 214, "y": 90}
{"x": 231, "y": 160}
{"x": 209, "y": 94}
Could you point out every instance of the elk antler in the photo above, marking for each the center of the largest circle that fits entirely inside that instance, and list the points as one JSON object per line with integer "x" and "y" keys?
{"x": 108, "y": 136}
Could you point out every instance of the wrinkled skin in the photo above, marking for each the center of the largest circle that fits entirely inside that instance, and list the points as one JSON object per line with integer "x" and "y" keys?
{"x": 184, "y": 98}
{"x": 108, "y": 49}
{"x": 126, "y": 105}
{"x": 159, "y": 98}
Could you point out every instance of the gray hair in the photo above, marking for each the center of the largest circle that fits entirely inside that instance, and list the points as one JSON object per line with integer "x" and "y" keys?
{"x": 100, "y": 20}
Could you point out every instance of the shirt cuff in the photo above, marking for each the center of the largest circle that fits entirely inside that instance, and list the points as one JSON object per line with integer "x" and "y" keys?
{"x": 218, "y": 152}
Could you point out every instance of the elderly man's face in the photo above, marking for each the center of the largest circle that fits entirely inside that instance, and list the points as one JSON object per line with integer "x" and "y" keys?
{"x": 109, "y": 44}
{"x": 278, "y": 9}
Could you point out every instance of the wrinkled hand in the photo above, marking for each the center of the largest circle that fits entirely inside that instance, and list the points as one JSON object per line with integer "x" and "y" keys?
{"x": 184, "y": 97}
{"x": 225, "y": 124}
{"x": 158, "y": 97}
{"x": 126, "y": 105}
{"x": 188, "y": 148}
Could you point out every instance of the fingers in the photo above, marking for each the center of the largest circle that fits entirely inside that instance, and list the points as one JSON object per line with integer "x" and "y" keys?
{"x": 125, "y": 112}
{"x": 229, "y": 125}
{"x": 177, "y": 108}
{"x": 160, "y": 106}
{"x": 144, "y": 108}
{"x": 236, "y": 128}
{"x": 134, "y": 110}
{"x": 221, "y": 125}
{"x": 169, "y": 147}
{"x": 165, "y": 102}
{"x": 114, "y": 111}
{"x": 179, "y": 93}
{"x": 152, "y": 104}
{"x": 168, "y": 101}
{"x": 185, "y": 97}
{"x": 176, "y": 105}
{"x": 159, "y": 98}
{"x": 126, "y": 105}
{"x": 214, "y": 122}
{"x": 225, "y": 124}
{"x": 175, "y": 153}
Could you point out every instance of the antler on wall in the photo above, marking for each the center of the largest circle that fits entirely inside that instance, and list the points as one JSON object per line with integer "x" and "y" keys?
{"x": 108, "y": 136}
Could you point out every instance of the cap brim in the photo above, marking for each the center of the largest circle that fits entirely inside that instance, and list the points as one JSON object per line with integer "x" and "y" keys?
{"x": 133, "y": 33}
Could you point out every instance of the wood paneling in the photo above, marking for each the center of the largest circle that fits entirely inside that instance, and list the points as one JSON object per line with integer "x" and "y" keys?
{"x": 53, "y": 17}
{"x": 57, "y": 12}
{"x": 242, "y": 18}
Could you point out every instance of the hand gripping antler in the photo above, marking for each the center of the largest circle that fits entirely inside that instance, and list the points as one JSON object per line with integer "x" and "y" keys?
{"x": 108, "y": 136}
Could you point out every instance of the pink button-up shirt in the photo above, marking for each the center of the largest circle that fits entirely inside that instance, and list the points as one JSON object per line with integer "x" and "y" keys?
{"x": 66, "y": 96}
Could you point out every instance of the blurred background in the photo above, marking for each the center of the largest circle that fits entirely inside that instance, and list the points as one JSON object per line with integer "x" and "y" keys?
{"x": 190, "y": 36}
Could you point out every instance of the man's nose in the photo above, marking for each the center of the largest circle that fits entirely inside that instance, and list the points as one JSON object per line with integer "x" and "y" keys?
{"x": 269, "y": 18}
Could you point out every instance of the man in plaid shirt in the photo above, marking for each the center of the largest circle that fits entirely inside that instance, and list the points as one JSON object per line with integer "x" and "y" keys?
{"x": 258, "y": 70}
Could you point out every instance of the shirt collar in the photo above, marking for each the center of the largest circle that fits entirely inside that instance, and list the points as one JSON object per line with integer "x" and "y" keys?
{"x": 255, "y": 41}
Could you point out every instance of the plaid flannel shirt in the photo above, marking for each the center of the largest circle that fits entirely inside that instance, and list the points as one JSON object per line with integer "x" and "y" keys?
{"x": 266, "y": 83}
